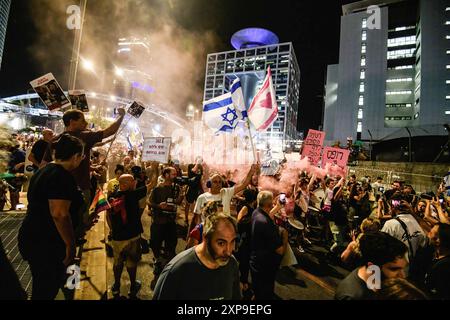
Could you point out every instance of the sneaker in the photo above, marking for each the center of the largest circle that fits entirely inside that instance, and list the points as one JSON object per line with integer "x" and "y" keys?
{"x": 134, "y": 289}
{"x": 115, "y": 289}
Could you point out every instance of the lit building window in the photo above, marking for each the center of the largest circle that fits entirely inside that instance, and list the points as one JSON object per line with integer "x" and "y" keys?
{"x": 398, "y": 54}
{"x": 363, "y": 74}
{"x": 448, "y": 66}
{"x": 390, "y": 93}
{"x": 447, "y": 112}
{"x": 447, "y": 9}
{"x": 447, "y": 81}
{"x": 447, "y": 97}
{"x": 447, "y": 37}
{"x": 363, "y": 48}
{"x": 364, "y": 23}
{"x": 402, "y": 41}
{"x": 361, "y": 100}
{"x": 360, "y": 114}
{"x": 447, "y": 23}
{"x": 447, "y": 52}
{"x": 359, "y": 129}
{"x": 361, "y": 87}
{"x": 363, "y": 62}
{"x": 403, "y": 67}
{"x": 399, "y": 80}
{"x": 364, "y": 36}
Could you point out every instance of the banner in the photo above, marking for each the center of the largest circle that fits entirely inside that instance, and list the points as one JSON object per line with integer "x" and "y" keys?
{"x": 156, "y": 149}
{"x": 312, "y": 146}
{"x": 79, "y": 100}
{"x": 336, "y": 156}
{"x": 50, "y": 92}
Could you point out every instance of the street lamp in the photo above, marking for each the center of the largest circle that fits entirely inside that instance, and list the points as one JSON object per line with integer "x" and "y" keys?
{"x": 88, "y": 65}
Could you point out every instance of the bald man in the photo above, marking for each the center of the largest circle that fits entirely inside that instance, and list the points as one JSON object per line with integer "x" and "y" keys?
{"x": 40, "y": 147}
{"x": 124, "y": 221}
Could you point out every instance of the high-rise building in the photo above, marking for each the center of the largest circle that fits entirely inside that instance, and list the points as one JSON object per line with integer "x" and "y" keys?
{"x": 255, "y": 50}
{"x": 4, "y": 13}
{"x": 393, "y": 71}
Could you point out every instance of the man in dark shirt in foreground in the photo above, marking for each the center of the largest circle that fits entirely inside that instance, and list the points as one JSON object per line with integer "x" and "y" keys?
{"x": 124, "y": 220}
{"x": 379, "y": 251}
{"x": 207, "y": 271}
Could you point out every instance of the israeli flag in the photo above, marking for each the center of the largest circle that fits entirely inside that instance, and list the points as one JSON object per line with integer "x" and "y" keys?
{"x": 220, "y": 114}
{"x": 238, "y": 99}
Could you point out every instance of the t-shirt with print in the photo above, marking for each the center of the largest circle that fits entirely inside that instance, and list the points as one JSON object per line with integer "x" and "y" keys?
{"x": 187, "y": 278}
{"x": 223, "y": 198}
{"x": 417, "y": 237}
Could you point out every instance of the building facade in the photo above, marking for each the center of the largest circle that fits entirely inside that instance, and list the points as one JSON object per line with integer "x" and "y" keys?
{"x": 393, "y": 73}
{"x": 4, "y": 13}
{"x": 250, "y": 65}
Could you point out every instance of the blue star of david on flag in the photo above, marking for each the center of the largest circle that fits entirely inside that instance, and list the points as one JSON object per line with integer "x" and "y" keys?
{"x": 233, "y": 114}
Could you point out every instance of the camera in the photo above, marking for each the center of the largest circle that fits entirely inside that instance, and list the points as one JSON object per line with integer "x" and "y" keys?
{"x": 181, "y": 181}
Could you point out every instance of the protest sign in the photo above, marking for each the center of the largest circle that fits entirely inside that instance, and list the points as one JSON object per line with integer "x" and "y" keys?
{"x": 156, "y": 149}
{"x": 136, "y": 109}
{"x": 50, "y": 92}
{"x": 79, "y": 100}
{"x": 312, "y": 146}
{"x": 336, "y": 156}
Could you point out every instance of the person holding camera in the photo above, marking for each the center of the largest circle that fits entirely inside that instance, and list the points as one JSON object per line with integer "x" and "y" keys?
{"x": 164, "y": 201}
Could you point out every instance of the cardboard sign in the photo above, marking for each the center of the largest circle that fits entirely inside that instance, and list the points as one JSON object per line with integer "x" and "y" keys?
{"x": 156, "y": 149}
{"x": 335, "y": 156}
{"x": 79, "y": 100}
{"x": 136, "y": 110}
{"x": 315, "y": 138}
{"x": 313, "y": 152}
{"x": 312, "y": 146}
{"x": 50, "y": 92}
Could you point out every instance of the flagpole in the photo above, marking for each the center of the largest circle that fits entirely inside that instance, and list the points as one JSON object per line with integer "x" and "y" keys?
{"x": 255, "y": 160}
{"x": 115, "y": 137}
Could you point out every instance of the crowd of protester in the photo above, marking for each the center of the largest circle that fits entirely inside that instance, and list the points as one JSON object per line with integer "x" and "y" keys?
{"x": 237, "y": 233}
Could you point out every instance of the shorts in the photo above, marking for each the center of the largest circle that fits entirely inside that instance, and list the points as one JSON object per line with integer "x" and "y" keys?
{"x": 128, "y": 251}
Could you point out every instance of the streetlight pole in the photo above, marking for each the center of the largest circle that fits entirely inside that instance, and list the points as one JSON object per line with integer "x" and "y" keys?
{"x": 409, "y": 144}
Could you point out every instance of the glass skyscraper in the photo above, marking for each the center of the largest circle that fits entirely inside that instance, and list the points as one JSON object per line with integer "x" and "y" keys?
{"x": 250, "y": 64}
{"x": 4, "y": 13}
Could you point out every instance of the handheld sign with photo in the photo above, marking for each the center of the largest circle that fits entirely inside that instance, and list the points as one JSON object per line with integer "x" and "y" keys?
{"x": 136, "y": 109}
{"x": 79, "y": 100}
{"x": 336, "y": 156}
{"x": 312, "y": 146}
{"x": 156, "y": 149}
{"x": 50, "y": 92}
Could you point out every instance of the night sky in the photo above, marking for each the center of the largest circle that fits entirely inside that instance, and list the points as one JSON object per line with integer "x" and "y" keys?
{"x": 312, "y": 26}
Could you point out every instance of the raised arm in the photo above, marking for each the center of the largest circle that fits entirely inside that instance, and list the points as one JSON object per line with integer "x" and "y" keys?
{"x": 253, "y": 170}
{"x": 112, "y": 129}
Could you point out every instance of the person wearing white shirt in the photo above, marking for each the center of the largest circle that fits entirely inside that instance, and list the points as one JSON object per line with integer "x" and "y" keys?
{"x": 219, "y": 194}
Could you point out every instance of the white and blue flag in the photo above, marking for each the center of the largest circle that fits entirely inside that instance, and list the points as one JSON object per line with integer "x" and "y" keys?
{"x": 238, "y": 99}
{"x": 220, "y": 114}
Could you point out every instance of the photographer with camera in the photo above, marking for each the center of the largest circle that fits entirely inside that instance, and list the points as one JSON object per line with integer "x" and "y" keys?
{"x": 164, "y": 201}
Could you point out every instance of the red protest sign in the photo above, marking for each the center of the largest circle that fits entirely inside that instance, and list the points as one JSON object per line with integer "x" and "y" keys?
{"x": 335, "y": 156}
{"x": 315, "y": 138}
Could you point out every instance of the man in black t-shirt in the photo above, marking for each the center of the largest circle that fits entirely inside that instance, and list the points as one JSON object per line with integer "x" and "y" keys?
{"x": 207, "y": 271}
{"x": 124, "y": 219}
{"x": 39, "y": 148}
